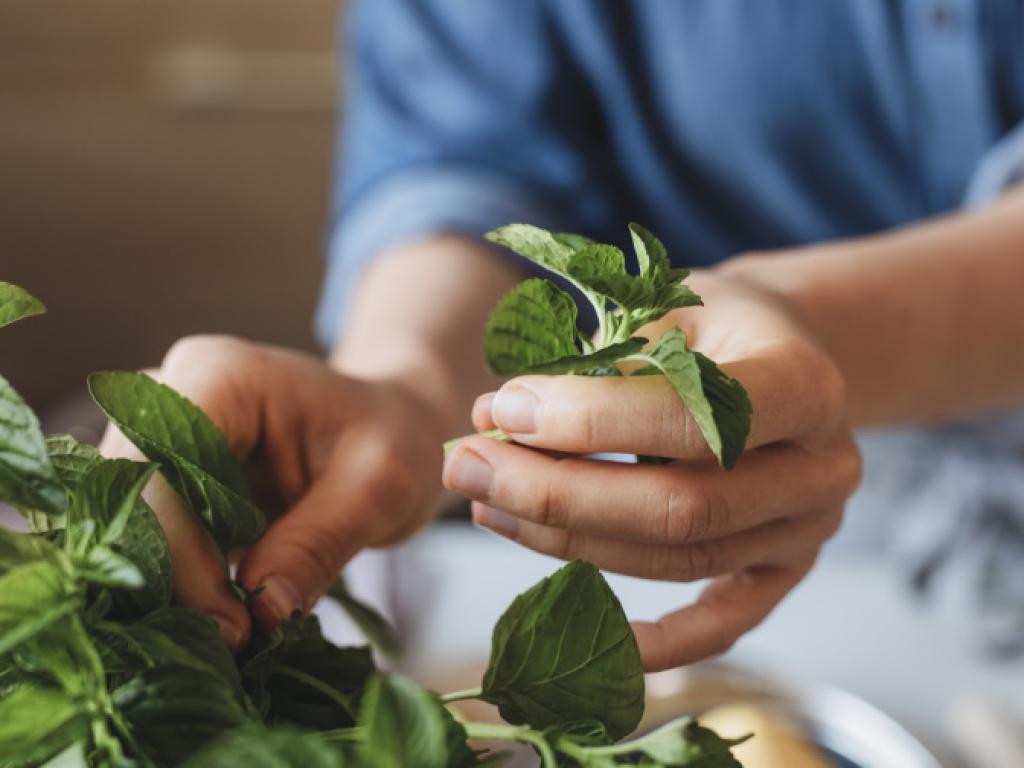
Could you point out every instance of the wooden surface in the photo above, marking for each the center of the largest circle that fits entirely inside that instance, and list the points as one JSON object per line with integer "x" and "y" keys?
{"x": 164, "y": 170}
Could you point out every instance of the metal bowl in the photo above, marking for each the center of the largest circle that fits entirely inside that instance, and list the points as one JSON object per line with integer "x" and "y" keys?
{"x": 848, "y": 730}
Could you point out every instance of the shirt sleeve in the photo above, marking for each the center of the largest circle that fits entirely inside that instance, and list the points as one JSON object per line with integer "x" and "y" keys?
{"x": 458, "y": 117}
{"x": 1001, "y": 168}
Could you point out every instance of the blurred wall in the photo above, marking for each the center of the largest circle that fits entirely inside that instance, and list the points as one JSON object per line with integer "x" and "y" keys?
{"x": 164, "y": 170}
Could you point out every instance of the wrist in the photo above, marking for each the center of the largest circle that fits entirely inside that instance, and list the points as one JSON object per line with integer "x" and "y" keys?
{"x": 797, "y": 282}
{"x": 421, "y": 378}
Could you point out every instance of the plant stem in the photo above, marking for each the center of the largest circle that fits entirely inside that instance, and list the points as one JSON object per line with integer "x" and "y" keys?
{"x": 469, "y": 693}
{"x": 519, "y": 733}
{"x": 317, "y": 685}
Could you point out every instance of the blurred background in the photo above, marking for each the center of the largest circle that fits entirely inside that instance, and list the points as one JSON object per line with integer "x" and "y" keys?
{"x": 164, "y": 169}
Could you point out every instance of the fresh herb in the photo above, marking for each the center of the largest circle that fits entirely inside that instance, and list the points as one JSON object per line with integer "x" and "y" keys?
{"x": 99, "y": 669}
{"x": 533, "y": 327}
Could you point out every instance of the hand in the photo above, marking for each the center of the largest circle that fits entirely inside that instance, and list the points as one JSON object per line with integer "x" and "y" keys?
{"x": 345, "y": 463}
{"x": 756, "y": 530}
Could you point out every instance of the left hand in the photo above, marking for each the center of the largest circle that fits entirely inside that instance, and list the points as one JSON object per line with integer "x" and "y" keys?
{"x": 756, "y": 531}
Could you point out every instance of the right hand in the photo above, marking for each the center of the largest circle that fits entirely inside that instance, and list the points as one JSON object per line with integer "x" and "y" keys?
{"x": 348, "y": 464}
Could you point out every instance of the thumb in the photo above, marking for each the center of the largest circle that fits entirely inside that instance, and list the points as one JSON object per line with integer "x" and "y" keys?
{"x": 357, "y": 501}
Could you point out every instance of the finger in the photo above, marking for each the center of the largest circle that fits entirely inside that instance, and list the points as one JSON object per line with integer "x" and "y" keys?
{"x": 200, "y": 575}
{"x": 201, "y": 579}
{"x": 794, "y": 393}
{"x": 674, "y": 504}
{"x": 731, "y": 606}
{"x": 361, "y": 499}
{"x": 481, "y": 414}
{"x": 776, "y": 542}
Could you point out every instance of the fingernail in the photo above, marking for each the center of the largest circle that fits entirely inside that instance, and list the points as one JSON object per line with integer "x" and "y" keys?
{"x": 470, "y": 474}
{"x": 231, "y": 633}
{"x": 515, "y": 410}
{"x": 495, "y": 520}
{"x": 280, "y": 596}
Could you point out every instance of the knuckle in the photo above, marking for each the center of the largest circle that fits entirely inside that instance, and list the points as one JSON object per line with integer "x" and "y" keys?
{"x": 687, "y": 514}
{"x": 218, "y": 349}
{"x": 696, "y": 561}
{"x": 566, "y": 545}
{"x": 390, "y": 482}
{"x": 320, "y": 547}
{"x": 552, "y": 506}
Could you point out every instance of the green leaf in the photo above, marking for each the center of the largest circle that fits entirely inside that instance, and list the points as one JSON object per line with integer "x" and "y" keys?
{"x": 17, "y": 303}
{"x": 598, "y": 361}
{"x": 71, "y": 458}
{"x": 192, "y": 452}
{"x": 406, "y": 727}
{"x": 652, "y": 257}
{"x": 168, "y": 636}
{"x": 532, "y": 324}
{"x": 102, "y": 565}
{"x": 71, "y": 757}
{"x": 295, "y": 675}
{"x": 375, "y": 628}
{"x": 33, "y": 597}
{"x": 27, "y": 478}
{"x": 719, "y": 404}
{"x": 37, "y": 723}
{"x": 173, "y": 711}
{"x": 107, "y": 510}
{"x": 564, "y": 651}
{"x": 255, "y": 747}
{"x": 555, "y": 252}
{"x": 18, "y": 549}
{"x": 682, "y": 743}
{"x": 549, "y": 250}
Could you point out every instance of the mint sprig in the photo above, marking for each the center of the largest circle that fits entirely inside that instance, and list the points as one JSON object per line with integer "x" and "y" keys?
{"x": 533, "y": 328}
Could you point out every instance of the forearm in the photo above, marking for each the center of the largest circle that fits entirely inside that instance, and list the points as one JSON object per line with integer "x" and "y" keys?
{"x": 419, "y": 316}
{"x": 927, "y": 323}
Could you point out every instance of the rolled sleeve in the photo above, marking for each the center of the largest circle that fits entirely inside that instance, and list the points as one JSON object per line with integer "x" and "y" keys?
{"x": 1001, "y": 168}
{"x": 459, "y": 117}
{"x": 407, "y": 206}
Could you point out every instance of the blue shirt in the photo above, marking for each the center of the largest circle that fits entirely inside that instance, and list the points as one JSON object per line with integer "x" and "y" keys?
{"x": 721, "y": 125}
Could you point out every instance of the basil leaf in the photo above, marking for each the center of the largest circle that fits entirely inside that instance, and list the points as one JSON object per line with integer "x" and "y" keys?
{"x": 655, "y": 267}
{"x": 16, "y": 304}
{"x": 72, "y": 757}
{"x": 192, "y": 452}
{"x": 546, "y": 249}
{"x": 295, "y": 675}
{"x": 564, "y": 651}
{"x": 37, "y": 723}
{"x": 280, "y": 747}
{"x": 173, "y": 711}
{"x": 406, "y": 727}
{"x": 375, "y": 628}
{"x": 719, "y": 404}
{"x": 33, "y": 597}
{"x": 174, "y": 636}
{"x": 108, "y": 514}
{"x": 534, "y": 323}
{"x": 598, "y": 361}
{"x": 27, "y": 478}
{"x": 682, "y": 743}
{"x": 71, "y": 458}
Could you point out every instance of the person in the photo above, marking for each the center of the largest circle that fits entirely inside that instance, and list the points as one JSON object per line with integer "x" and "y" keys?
{"x": 810, "y": 162}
